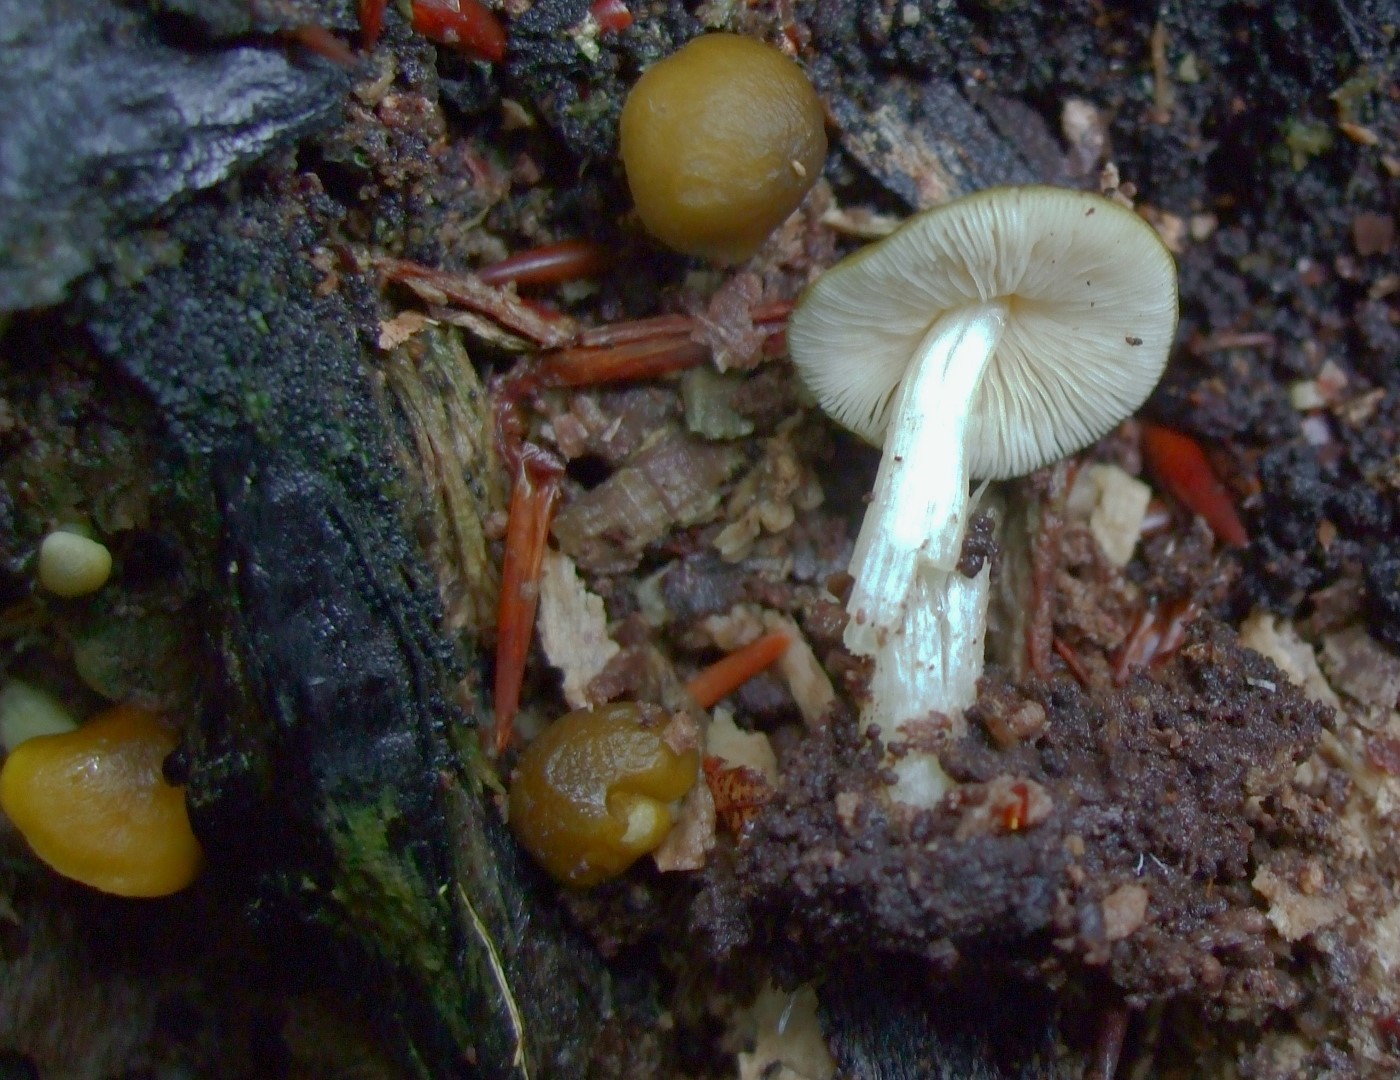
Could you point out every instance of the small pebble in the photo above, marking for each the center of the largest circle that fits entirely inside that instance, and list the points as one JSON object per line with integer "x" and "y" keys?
{"x": 72, "y": 565}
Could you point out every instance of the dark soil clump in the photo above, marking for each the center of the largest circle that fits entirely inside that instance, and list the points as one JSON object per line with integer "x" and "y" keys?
{"x": 1163, "y": 796}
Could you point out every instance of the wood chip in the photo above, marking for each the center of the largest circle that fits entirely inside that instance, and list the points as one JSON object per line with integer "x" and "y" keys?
{"x": 573, "y": 626}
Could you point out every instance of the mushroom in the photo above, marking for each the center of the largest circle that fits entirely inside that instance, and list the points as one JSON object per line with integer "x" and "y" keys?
{"x": 95, "y": 805}
{"x": 721, "y": 141}
{"x": 72, "y": 565}
{"x": 985, "y": 338}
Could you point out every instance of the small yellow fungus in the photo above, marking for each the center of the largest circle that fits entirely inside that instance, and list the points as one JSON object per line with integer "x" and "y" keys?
{"x": 94, "y": 805}
{"x": 72, "y": 565}
{"x": 593, "y": 793}
{"x": 27, "y": 712}
{"x": 720, "y": 142}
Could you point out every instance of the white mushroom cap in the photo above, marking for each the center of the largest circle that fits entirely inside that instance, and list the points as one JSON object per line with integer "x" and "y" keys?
{"x": 1092, "y": 308}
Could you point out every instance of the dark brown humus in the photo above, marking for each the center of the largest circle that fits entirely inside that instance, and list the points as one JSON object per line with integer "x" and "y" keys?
{"x": 1174, "y": 787}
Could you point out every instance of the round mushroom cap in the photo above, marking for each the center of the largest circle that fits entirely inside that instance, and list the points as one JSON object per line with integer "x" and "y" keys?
{"x": 721, "y": 141}
{"x": 1092, "y": 307}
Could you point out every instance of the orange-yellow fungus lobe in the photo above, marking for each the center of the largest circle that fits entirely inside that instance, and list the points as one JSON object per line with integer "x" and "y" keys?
{"x": 593, "y": 793}
{"x": 92, "y": 803}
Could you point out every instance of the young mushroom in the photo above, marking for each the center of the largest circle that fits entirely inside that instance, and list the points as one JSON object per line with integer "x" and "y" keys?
{"x": 721, "y": 141}
{"x": 984, "y": 339}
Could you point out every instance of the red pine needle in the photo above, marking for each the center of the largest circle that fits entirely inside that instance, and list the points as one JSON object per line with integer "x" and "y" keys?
{"x": 468, "y": 26}
{"x": 538, "y": 482}
{"x": 722, "y": 678}
{"x": 631, "y": 361}
{"x": 1178, "y": 463}
{"x": 323, "y": 43}
{"x": 371, "y": 22}
{"x": 551, "y": 264}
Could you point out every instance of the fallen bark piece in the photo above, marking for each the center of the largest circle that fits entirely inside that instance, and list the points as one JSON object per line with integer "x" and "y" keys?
{"x": 1360, "y": 667}
{"x": 785, "y": 1037}
{"x": 1295, "y": 914}
{"x": 1124, "y": 910}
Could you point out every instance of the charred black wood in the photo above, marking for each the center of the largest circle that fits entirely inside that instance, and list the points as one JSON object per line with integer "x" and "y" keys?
{"x": 330, "y": 767}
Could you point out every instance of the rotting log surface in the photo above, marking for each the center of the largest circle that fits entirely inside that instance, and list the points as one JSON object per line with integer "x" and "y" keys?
{"x": 108, "y": 122}
{"x": 331, "y": 765}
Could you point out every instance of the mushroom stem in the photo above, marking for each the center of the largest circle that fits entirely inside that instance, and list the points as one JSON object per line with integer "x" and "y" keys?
{"x": 911, "y": 609}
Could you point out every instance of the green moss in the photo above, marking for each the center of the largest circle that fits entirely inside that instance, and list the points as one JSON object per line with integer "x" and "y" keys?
{"x": 389, "y": 904}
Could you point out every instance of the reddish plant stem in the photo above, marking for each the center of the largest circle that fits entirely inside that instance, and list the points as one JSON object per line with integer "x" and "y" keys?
{"x": 1177, "y": 619}
{"x": 1156, "y": 636}
{"x": 774, "y": 311}
{"x": 551, "y": 264}
{"x": 538, "y": 482}
{"x": 468, "y": 26}
{"x": 1178, "y": 464}
{"x": 1045, "y": 564}
{"x": 1140, "y": 646}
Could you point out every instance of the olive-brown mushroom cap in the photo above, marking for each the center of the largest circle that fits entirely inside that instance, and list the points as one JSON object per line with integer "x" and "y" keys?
{"x": 720, "y": 142}
{"x": 1092, "y": 309}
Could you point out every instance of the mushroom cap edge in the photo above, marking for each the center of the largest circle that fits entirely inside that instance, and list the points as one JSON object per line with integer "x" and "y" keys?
{"x": 1093, "y": 310}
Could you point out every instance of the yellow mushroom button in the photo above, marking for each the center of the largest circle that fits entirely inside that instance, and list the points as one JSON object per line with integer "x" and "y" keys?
{"x": 94, "y": 805}
{"x": 720, "y": 142}
{"x": 593, "y": 793}
{"x": 72, "y": 565}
